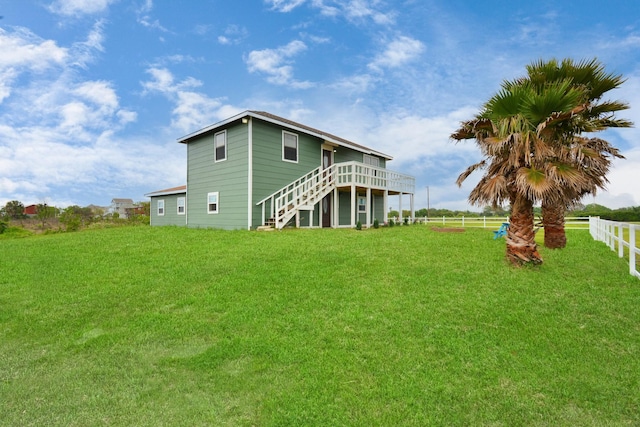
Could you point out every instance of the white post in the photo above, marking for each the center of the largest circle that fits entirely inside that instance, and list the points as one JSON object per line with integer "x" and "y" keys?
{"x": 620, "y": 240}
{"x": 336, "y": 209}
{"x": 632, "y": 250}
{"x": 386, "y": 205}
{"x": 413, "y": 209}
{"x": 484, "y": 222}
{"x": 400, "y": 207}
{"x": 463, "y": 221}
{"x": 353, "y": 205}
{"x": 368, "y": 206}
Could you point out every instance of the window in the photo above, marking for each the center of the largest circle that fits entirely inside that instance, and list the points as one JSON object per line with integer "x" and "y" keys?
{"x": 212, "y": 203}
{"x": 290, "y": 147}
{"x": 181, "y": 206}
{"x": 220, "y": 142}
{"x": 160, "y": 207}
{"x": 362, "y": 204}
{"x": 371, "y": 160}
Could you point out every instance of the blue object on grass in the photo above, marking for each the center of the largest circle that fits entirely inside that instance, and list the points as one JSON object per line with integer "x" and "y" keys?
{"x": 502, "y": 231}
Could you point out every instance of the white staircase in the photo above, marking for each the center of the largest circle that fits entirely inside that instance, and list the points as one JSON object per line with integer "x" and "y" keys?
{"x": 301, "y": 195}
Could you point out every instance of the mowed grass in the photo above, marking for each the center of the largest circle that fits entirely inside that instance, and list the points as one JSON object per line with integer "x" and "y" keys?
{"x": 390, "y": 327}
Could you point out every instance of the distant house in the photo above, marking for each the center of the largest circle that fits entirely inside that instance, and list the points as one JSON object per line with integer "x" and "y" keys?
{"x": 31, "y": 210}
{"x": 120, "y": 207}
{"x": 256, "y": 169}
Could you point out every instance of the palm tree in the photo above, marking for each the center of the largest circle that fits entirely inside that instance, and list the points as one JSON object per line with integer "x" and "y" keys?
{"x": 514, "y": 132}
{"x": 590, "y": 156}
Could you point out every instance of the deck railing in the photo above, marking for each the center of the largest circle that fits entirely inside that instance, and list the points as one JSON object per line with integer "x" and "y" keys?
{"x": 363, "y": 175}
{"x": 613, "y": 234}
{"x": 308, "y": 190}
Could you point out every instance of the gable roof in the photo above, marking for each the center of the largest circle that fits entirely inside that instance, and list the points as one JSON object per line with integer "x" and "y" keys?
{"x": 168, "y": 191}
{"x": 281, "y": 121}
{"x": 116, "y": 200}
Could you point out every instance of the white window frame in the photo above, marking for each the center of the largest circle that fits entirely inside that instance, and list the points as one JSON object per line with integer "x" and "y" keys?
{"x": 362, "y": 207}
{"x": 181, "y": 202}
{"x": 217, "y": 202}
{"x": 161, "y": 207}
{"x": 215, "y": 146}
{"x": 284, "y": 134}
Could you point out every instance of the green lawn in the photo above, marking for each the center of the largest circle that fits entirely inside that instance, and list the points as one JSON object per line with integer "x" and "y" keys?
{"x": 389, "y": 327}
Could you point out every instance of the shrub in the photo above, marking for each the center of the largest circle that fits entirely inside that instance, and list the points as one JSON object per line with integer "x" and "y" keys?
{"x": 359, "y": 226}
{"x": 376, "y": 223}
{"x": 3, "y": 225}
{"x": 391, "y": 223}
{"x": 405, "y": 220}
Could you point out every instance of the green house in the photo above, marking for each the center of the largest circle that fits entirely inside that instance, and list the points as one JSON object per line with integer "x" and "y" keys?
{"x": 256, "y": 169}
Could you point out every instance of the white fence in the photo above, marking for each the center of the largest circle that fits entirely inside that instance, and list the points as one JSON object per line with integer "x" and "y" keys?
{"x": 613, "y": 234}
{"x": 571, "y": 223}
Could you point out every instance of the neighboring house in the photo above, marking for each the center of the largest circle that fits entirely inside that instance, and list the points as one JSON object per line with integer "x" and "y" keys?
{"x": 120, "y": 207}
{"x": 257, "y": 169}
{"x": 31, "y": 210}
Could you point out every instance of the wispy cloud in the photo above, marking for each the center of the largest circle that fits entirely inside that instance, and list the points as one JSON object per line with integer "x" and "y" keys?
{"x": 79, "y": 7}
{"x": 351, "y": 10}
{"x": 276, "y": 64}
{"x": 398, "y": 52}
{"x": 233, "y": 34}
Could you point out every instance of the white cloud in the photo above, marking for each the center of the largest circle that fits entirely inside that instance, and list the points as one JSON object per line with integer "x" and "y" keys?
{"x": 284, "y": 5}
{"x": 192, "y": 110}
{"x": 80, "y": 7}
{"x": 398, "y": 52}
{"x": 275, "y": 63}
{"x": 233, "y": 35}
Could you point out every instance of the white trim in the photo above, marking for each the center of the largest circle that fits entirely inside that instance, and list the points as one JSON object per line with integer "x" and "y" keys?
{"x": 247, "y": 113}
{"x": 161, "y": 201}
{"x": 217, "y": 203}
{"x": 184, "y": 205}
{"x": 284, "y": 132}
{"x": 215, "y": 149}
{"x": 250, "y": 174}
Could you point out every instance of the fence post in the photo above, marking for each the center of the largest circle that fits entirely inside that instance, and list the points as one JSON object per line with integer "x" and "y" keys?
{"x": 620, "y": 240}
{"x": 632, "y": 250}
{"x": 462, "y": 221}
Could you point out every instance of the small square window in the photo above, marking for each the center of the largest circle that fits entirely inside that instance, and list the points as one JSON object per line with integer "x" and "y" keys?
{"x": 212, "y": 203}
{"x": 220, "y": 142}
{"x": 160, "y": 207}
{"x": 290, "y": 147}
{"x": 181, "y": 205}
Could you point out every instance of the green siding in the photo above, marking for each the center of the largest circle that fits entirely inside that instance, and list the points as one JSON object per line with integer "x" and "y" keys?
{"x": 229, "y": 178}
{"x": 270, "y": 172}
{"x": 170, "y": 216}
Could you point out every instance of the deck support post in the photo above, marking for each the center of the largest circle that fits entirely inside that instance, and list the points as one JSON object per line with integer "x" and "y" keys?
{"x": 353, "y": 206}
{"x": 368, "y": 206}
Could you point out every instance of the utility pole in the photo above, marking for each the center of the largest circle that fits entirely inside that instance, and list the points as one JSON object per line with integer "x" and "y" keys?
{"x": 427, "y": 203}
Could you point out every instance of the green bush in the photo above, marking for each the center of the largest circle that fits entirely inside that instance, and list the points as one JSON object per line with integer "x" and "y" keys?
{"x": 391, "y": 223}
{"x": 3, "y": 225}
{"x": 376, "y": 223}
{"x": 359, "y": 226}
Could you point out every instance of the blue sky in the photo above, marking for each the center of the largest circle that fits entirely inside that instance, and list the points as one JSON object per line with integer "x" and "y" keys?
{"x": 94, "y": 93}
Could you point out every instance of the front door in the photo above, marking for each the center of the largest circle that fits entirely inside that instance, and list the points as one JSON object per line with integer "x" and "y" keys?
{"x": 326, "y": 202}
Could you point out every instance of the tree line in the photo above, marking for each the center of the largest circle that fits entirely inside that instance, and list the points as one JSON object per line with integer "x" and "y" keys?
{"x": 71, "y": 218}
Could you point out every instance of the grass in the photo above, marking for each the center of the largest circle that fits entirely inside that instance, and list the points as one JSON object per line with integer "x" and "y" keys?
{"x": 396, "y": 326}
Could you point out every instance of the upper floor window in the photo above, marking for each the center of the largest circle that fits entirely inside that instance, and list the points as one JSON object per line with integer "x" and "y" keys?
{"x": 181, "y": 205}
{"x": 212, "y": 203}
{"x": 289, "y": 147}
{"x": 371, "y": 160}
{"x": 220, "y": 143}
{"x": 160, "y": 207}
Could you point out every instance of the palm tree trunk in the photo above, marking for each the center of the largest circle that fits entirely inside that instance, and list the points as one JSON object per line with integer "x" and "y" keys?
{"x": 521, "y": 244}
{"x": 553, "y": 223}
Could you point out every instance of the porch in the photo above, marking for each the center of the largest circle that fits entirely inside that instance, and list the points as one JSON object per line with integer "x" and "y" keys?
{"x": 322, "y": 192}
